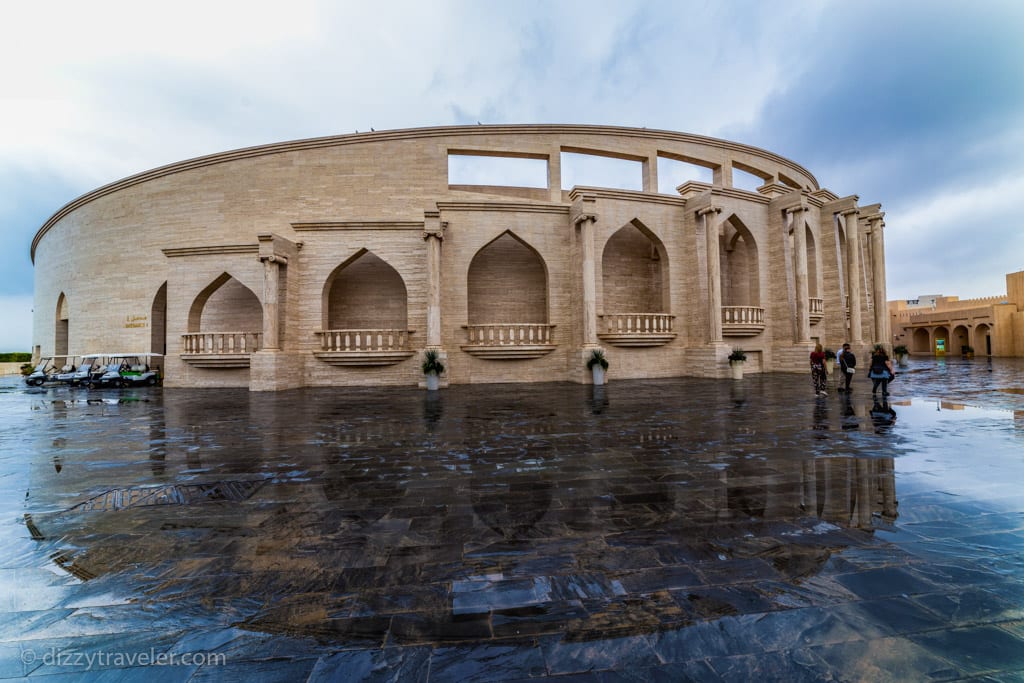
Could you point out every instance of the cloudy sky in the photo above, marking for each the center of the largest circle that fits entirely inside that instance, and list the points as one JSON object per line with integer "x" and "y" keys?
{"x": 917, "y": 105}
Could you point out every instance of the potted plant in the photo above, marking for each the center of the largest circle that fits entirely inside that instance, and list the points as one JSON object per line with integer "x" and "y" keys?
{"x": 432, "y": 368}
{"x": 736, "y": 360}
{"x": 901, "y": 352}
{"x": 967, "y": 351}
{"x": 597, "y": 364}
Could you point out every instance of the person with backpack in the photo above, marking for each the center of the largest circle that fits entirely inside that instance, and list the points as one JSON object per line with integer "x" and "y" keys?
{"x": 847, "y": 363}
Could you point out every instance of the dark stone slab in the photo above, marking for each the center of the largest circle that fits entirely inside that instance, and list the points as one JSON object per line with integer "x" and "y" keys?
{"x": 975, "y": 649}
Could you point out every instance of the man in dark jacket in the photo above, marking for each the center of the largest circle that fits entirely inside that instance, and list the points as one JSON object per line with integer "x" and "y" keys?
{"x": 847, "y": 362}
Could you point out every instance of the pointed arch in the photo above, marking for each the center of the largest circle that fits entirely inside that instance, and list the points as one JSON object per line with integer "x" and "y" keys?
{"x": 960, "y": 338}
{"x": 62, "y": 326}
{"x": 922, "y": 341}
{"x": 940, "y": 333}
{"x": 635, "y": 271}
{"x": 158, "y": 321}
{"x": 364, "y": 292}
{"x": 740, "y": 265}
{"x": 226, "y": 305}
{"x": 507, "y": 282}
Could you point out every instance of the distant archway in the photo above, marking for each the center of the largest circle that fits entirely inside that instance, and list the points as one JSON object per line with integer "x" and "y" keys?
{"x": 921, "y": 341}
{"x": 961, "y": 337}
{"x": 60, "y": 336}
{"x": 982, "y": 339}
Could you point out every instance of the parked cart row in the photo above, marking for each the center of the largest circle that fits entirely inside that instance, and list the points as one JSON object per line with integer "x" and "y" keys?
{"x": 98, "y": 370}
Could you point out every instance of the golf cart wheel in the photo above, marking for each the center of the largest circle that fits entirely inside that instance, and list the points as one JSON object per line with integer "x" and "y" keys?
{"x": 151, "y": 381}
{"x": 38, "y": 382}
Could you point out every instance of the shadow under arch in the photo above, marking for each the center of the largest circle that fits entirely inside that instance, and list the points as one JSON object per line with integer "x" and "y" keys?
{"x": 740, "y": 264}
{"x": 364, "y": 292}
{"x": 226, "y": 303}
{"x": 62, "y": 324}
{"x": 158, "y": 321}
{"x": 507, "y": 282}
{"x": 635, "y": 271}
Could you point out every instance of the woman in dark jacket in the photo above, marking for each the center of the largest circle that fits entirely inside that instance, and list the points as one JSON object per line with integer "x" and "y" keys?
{"x": 880, "y": 371}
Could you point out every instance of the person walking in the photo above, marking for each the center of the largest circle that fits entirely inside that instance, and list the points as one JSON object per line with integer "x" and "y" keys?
{"x": 880, "y": 370}
{"x": 847, "y": 363}
{"x": 818, "y": 375}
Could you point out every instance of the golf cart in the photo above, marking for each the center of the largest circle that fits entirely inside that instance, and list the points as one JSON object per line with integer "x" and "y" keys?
{"x": 126, "y": 370}
{"x": 47, "y": 370}
{"x": 87, "y": 368}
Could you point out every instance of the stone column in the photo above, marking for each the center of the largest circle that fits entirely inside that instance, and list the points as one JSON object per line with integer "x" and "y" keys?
{"x": 802, "y": 329}
{"x": 271, "y": 306}
{"x": 710, "y": 216}
{"x": 650, "y": 174}
{"x": 586, "y": 221}
{"x": 853, "y": 259}
{"x": 433, "y": 233}
{"x": 883, "y": 335}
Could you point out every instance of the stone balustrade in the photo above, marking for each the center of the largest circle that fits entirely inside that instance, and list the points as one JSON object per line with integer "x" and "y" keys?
{"x": 509, "y": 340}
{"x": 636, "y": 329}
{"x": 816, "y": 309}
{"x": 364, "y": 347}
{"x": 221, "y": 342}
{"x": 742, "y": 321}
{"x": 219, "y": 349}
{"x": 364, "y": 340}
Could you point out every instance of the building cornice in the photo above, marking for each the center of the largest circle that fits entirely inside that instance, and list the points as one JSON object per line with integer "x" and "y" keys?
{"x": 213, "y": 249}
{"x": 412, "y": 134}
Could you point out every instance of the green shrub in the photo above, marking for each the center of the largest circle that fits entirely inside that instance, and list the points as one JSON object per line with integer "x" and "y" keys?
{"x": 15, "y": 357}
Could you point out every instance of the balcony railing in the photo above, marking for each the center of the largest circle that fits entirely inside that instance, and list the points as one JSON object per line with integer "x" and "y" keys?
{"x": 742, "y": 321}
{"x": 816, "y": 310}
{"x": 637, "y": 329}
{"x": 219, "y": 349}
{"x": 509, "y": 341}
{"x": 363, "y": 347}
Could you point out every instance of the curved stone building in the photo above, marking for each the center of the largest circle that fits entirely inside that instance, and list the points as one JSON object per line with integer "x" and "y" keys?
{"x": 337, "y": 261}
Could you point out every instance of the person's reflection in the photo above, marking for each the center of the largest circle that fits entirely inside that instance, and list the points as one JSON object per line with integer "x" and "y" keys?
{"x": 850, "y": 420}
{"x": 820, "y": 424}
{"x": 883, "y": 416}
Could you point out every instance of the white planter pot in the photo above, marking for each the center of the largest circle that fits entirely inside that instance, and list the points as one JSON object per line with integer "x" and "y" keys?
{"x": 433, "y": 382}
{"x": 901, "y": 361}
{"x": 737, "y": 368}
{"x": 598, "y": 374}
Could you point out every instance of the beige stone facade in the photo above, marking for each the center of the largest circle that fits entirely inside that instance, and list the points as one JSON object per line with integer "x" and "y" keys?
{"x": 991, "y": 326}
{"x": 337, "y": 261}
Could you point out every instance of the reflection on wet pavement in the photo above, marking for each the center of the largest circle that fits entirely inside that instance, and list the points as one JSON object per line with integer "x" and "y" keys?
{"x": 681, "y": 529}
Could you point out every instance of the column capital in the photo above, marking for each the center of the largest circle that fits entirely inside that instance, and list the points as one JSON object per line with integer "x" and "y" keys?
{"x": 435, "y": 231}
{"x": 708, "y": 210}
{"x": 875, "y": 219}
{"x": 275, "y": 258}
{"x": 583, "y": 217}
{"x": 847, "y": 212}
{"x": 796, "y": 208}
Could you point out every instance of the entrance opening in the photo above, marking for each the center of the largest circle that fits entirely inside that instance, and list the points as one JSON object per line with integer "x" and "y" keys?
{"x": 60, "y": 337}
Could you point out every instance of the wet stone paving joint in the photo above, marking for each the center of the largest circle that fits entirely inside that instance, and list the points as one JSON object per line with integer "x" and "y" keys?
{"x": 671, "y": 530}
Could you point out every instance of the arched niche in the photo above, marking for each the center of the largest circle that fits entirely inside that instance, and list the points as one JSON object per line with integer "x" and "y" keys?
{"x": 365, "y": 293}
{"x": 922, "y": 341}
{"x": 634, "y": 271}
{"x": 982, "y": 340}
{"x": 507, "y": 283}
{"x": 960, "y": 338}
{"x": 739, "y": 265}
{"x": 158, "y": 322}
{"x": 62, "y": 317}
{"x": 226, "y": 305}
{"x": 812, "y": 263}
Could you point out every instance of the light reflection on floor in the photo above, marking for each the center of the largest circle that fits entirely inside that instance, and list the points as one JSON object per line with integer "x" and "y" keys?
{"x": 674, "y": 528}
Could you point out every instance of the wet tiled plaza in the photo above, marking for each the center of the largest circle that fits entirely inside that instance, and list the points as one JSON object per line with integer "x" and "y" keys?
{"x": 671, "y": 530}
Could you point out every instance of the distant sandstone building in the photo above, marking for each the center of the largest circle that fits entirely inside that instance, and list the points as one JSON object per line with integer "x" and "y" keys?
{"x": 992, "y": 326}
{"x": 337, "y": 261}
